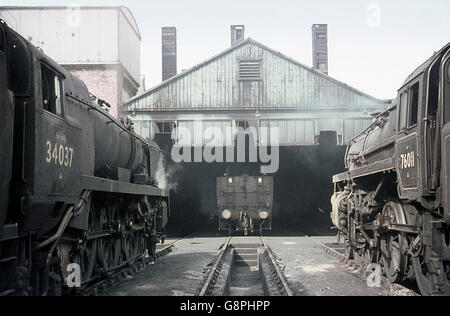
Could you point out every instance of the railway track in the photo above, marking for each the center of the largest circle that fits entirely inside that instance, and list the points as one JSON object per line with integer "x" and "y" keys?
{"x": 337, "y": 251}
{"x": 245, "y": 269}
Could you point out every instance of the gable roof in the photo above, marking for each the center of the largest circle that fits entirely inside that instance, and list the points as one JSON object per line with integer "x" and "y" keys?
{"x": 264, "y": 47}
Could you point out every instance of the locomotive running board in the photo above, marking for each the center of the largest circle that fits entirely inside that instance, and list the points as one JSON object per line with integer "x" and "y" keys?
{"x": 381, "y": 166}
{"x": 110, "y": 186}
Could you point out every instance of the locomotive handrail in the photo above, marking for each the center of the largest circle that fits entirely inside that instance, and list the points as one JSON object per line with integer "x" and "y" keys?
{"x": 71, "y": 212}
{"x": 370, "y": 127}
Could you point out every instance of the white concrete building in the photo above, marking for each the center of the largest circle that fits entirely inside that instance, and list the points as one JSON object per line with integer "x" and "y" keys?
{"x": 100, "y": 45}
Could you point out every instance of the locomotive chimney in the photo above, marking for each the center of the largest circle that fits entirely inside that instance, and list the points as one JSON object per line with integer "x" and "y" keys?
{"x": 320, "y": 47}
{"x": 169, "y": 52}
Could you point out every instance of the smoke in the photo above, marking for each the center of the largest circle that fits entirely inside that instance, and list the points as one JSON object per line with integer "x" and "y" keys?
{"x": 166, "y": 176}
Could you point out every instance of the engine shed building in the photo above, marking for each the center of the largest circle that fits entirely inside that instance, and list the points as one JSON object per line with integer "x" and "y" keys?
{"x": 252, "y": 85}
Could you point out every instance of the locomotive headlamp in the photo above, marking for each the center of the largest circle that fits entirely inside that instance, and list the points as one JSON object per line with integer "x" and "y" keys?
{"x": 226, "y": 214}
{"x": 260, "y": 180}
{"x": 263, "y": 214}
{"x": 230, "y": 180}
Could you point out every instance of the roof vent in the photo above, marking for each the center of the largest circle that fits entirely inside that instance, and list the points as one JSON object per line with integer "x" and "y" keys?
{"x": 250, "y": 69}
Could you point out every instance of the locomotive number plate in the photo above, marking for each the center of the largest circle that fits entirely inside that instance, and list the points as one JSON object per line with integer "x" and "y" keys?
{"x": 58, "y": 154}
{"x": 408, "y": 162}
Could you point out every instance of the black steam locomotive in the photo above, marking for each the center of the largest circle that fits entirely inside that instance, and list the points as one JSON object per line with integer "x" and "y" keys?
{"x": 245, "y": 203}
{"x": 393, "y": 205}
{"x": 78, "y": 194}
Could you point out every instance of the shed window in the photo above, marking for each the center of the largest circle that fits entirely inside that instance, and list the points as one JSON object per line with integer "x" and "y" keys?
{"x": 186, "y": 133}
{"x": 242, "y": 124}
{"x": 353, "y": 128}
{"x": 250, "y": 70}
{"x": 224, "y": 137}
{"x": 165, "y": 127}
{"x": 51, "y": 90}
{"x": 290, "y": 132}
{"x": 403, "y": 110}
{"x": 414, "y": 109}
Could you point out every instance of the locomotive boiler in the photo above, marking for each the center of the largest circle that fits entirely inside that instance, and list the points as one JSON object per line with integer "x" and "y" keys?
{"x": 245, "y": 203}
{"x": 77, "y": 187}
{"x": 392, "y": 206}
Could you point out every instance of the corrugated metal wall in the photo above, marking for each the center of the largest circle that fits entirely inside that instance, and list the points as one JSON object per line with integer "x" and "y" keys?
{"x": 292, "y": 132}
{"x": 129, "y": 45}
{"x": 80, "y": 35}
{"x": 284, "y": 84}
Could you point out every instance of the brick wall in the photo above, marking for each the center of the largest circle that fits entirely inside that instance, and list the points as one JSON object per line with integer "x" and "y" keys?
{"x": 105, "y": 84}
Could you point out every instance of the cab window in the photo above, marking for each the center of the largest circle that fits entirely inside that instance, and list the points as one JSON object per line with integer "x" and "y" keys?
{"x": 414, "y": 105}
{"x": 403, "y": 112}
{"x": 51, "y": 90}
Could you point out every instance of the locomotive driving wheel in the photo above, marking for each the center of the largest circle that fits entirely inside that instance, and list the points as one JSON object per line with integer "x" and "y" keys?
{"x": 432, "y": 276}
{"x": 109, "y": 246}
{"x": 393, "y": 259}
{"x": 85, "y": 253}
{"x": 132, "y": 241}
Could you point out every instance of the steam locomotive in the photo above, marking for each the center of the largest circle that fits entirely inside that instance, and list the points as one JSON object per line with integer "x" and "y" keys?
{"x": 78, "y": 194}
{"x": 245, "y": 203}
{"x": 392, "y": 206}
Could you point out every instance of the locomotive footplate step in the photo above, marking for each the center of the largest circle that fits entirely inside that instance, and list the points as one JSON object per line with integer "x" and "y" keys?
{"x": 246, "y": 255}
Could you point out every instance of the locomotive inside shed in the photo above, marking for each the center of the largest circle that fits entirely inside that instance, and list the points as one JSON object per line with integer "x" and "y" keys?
{"x": 301, "y": 188}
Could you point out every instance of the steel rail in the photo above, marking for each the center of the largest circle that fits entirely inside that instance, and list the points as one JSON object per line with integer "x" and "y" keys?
{"x": 280, "y": 276}
{"x": 215, "y": 268}
{"x": 169, "y": 247}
